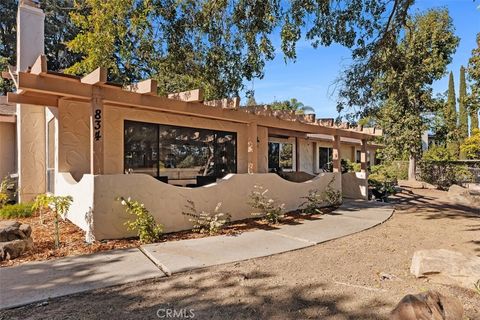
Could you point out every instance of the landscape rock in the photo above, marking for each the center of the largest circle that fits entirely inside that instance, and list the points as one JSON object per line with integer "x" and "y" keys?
{"x": 446, "y": 266}
{"x": 13, "y": 249}
{"x": 415, "y": 184}
{"x": 464, "y": 196}
{"x": 430, "y": 305}
{"x": 15, "y": 238}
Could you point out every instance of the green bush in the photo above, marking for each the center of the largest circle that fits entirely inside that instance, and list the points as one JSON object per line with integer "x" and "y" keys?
{"x": 349, "y": 166}
{"x": 268, "y": 208}
{"x": 19, "y": 210}
{"x": 438, "y": 153}
{"x": 443, "y": 174}
{"x": 389, "y": 172}
{"x": 144, "y": 224}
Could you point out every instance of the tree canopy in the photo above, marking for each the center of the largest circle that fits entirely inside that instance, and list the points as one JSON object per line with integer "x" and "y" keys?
{"x": 217, "y": 45}
{"x": 474, "y": 76}
{"x": 291, "y": 105}
{"x": 403, "y": 86}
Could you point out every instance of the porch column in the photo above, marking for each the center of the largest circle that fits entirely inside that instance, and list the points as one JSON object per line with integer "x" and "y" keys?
{"x": 252, "y": 147}
{"x": 31, "y": 136}
{"x": 363, "y": 156}
{"x": 96, "y": 132}
{"x": 336, "y": 154}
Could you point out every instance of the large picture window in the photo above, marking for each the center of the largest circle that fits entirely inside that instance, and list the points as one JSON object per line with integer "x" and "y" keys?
{"x": 180, "y": 154}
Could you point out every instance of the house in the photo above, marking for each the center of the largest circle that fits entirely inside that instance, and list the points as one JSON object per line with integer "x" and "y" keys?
{"x": 96, "y": 141}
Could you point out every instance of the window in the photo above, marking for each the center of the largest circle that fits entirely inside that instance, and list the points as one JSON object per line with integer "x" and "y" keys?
{"x": 179, "y": 153}
{"x": 358, "y": 157}
{"x": 325, "y": 158}
{"x": 280, "y": 156}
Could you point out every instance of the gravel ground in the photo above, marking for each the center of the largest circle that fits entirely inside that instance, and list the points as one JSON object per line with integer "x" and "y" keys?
{"x": 340, "y": 279}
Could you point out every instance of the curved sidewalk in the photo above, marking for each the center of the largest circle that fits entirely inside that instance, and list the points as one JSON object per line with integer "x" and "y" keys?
{"x": 43, "y": 280}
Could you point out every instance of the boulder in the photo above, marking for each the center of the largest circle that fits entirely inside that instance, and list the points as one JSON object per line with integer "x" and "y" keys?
{"x": 430, "y": 305}
{"x": 464, "y": 196}
{"x": 446, "y": 266}
{"x": 13, "y": 249}
{"x": 15, "y": 238}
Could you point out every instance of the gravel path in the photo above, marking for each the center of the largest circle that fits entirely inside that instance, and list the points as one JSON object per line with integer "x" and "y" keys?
{"x": 340, "y": 279}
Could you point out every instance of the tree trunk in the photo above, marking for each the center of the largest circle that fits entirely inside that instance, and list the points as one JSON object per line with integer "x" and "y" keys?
{"x": 412, "y": 167}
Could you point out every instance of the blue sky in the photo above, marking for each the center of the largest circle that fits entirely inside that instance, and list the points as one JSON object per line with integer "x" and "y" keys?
{"x": 311, "y": 78}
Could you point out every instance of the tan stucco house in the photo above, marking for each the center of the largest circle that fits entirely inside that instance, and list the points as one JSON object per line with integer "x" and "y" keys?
{"x": 95, "y": 141}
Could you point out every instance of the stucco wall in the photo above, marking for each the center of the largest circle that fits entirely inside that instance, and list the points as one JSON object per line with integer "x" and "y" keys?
{"x": 74, "y": 138}
{"x": 307, "y": 156}
{"x": 262, "y": 150}
{"x": 166, "y": 202}
{"x": 355, "y": 185}
{"x": 31, "y": 151}
{"x": 114, "y": 118}
{"x": 7, "y": 148}
{"x": 82, "y": 194}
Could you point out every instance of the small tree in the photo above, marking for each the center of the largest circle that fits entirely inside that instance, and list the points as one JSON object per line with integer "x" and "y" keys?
{"x": 59, "y": 205}
{"x": 147, "y": 229}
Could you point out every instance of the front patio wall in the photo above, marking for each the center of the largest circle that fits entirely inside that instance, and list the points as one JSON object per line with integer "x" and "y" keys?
{"x": 82, "y": 194}
{"x": 166, "y": 202}
{"x": 355, "y": 185}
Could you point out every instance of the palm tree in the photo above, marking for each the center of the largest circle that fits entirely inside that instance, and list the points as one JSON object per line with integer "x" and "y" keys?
{"x": 292, "y": 105}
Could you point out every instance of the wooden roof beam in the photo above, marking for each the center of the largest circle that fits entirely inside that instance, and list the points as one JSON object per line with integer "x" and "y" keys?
{"x": 98, "y": 76}
{"x": 32, "y": 98}
{"x": 54, "y": 86}
{"x": 148, "y": 87}
{"x": 40, "y": 65}
{"x": 188, "y": 96}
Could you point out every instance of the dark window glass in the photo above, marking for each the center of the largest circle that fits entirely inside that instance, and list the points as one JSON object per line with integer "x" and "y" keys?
{"x": 359, "y": 156}
{"x": 183, "y": 154}
{"x": 141, "y": 148}
{"x": 280, "y": 155}
{"x": 325, "y": 157}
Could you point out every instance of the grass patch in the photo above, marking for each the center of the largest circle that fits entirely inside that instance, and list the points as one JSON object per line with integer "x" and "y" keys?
{"x": 19, "y": 210}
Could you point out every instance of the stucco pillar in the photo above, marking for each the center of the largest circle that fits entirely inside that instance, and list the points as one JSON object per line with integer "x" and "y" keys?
{"x": 31, "y": 137}
{"x": 363, "y": 156}
{"x": 252, "y": 147}
{"x": 96, "y": 133}
{"x": 262, "y": 149}
{"x": 336, "y": 154}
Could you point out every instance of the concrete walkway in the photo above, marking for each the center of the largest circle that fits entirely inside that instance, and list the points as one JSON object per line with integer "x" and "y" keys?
{"x": 39, "y": 281}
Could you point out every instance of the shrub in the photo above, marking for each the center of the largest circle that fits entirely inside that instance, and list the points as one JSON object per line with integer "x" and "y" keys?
{"x": 267, "y": 207}
{"x": 471, "y": 146}
{"x": 147, "y": 229}
{"x": 438, "y": 153}
{"x": 443, "y": 174}
{"x": 349, "y": 166}
{"x": 58, "y": 205}
{"x": 19, "y": 210}
{"x": 314, "y": 202}
{"x": 7, "y": 191}
{"x": 331, "y": 196}
{"x": 206, "y": 222}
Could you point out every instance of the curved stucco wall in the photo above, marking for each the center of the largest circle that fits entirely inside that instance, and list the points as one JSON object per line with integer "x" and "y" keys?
{"x": 166, "y": 202}
{"x": 82, "y": 194}
{"x": 355, "y": 185}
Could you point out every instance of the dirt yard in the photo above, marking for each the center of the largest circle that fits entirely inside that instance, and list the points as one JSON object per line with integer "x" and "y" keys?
{"x": 340, "y": 279}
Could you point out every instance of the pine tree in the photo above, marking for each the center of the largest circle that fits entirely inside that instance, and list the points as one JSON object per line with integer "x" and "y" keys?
{"x": 474, "y": 77}
{"x": 451, "y": 117}
{"x": 463, "y": 112}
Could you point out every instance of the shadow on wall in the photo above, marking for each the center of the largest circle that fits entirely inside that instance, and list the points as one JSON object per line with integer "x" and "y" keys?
{"x": 167, "y": 202}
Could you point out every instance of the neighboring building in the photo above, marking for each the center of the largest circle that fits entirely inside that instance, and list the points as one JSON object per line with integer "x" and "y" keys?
{"x": 90, "y": 139}
{"x": 7, "y": 138}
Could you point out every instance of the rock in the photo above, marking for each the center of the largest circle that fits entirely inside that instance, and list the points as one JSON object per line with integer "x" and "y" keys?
{"x": 415, "y": 184}
{"x": 464, "y": 196}
{"x": 446, "y": 267}
{"x": 13, "y": 249}
{"x": 14, "y": 239}
{"x": 430, "y": 305}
